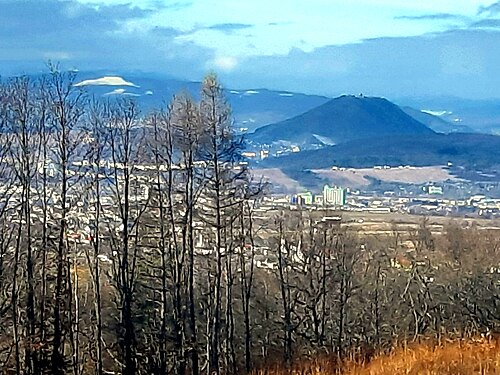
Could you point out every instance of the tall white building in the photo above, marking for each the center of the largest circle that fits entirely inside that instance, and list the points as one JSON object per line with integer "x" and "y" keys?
{"x": 334, "y": 196}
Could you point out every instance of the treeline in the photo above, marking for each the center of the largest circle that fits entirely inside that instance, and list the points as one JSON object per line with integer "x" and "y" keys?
{"x": 130, "y": 244}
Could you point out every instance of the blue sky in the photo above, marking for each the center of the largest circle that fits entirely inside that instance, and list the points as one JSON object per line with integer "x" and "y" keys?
{"x": 378, "y": 47}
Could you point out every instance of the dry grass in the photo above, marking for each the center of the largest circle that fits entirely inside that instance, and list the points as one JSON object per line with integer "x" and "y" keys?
{"x": 277, "y": 177}
{"x": 453, "y": 358}
{"x": 357, "y": 177}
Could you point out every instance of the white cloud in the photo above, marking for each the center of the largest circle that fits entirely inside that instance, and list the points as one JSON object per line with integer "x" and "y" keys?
{"x": 224, "y": 63}
{"x": 276, "y": 29}
{"x": 106, "y": 81}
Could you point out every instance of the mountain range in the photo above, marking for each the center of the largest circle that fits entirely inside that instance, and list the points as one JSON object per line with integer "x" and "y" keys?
{"x": 255, "y": 107}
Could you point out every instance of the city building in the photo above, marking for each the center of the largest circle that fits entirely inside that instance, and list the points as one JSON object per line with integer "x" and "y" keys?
{"x": 318, "y": 200}
{"x": 304, "y": 198}
{"x": 249, "y": 154}
{"x": 435, "y": 190}
{"x": 335, "y": 196}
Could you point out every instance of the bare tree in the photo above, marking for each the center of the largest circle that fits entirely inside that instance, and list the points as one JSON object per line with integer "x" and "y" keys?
{"x": 186, "y": 126}
{"x": 98, "y": 118}
{"x": 247, "y": 269}
{"x": 124, "y": 139}
{"x": 23, "y": 110}
{"x": 220, "y": 152}
{"x": 6, "y": 229}
{"x": 66, "y": 109}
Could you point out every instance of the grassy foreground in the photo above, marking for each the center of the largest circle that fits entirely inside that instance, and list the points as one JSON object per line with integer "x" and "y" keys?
{"x": 451, "y": 358}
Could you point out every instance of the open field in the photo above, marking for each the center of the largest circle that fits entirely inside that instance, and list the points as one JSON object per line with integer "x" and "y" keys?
{"x": 381, "y": 224}
{"x": 358, "y": 177}
{"x": 374, "y": 223}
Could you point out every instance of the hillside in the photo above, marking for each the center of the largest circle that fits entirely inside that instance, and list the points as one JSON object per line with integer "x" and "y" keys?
{"x": 469, "y": 150}
{"x": 341, "y": 120}
{"x": 467, "y": 357}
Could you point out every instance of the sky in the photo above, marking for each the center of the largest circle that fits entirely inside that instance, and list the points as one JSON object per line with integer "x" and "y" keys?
{"x": 391, "y": 48}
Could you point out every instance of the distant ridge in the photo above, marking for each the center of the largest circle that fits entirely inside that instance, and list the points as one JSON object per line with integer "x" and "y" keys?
{"x": 436, "y": 123}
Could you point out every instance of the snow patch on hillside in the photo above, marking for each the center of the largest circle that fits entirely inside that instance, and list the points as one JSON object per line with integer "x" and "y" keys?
{"x": 116, "y": 92}
{"x": 325, "y": 140}
{"x": 120, "y": 92}
{"x": 435, "y": 113}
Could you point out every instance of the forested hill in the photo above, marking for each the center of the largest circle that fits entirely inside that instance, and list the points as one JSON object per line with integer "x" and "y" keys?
{"x": 341, "y": 120}
{"x": 468, "y": 150}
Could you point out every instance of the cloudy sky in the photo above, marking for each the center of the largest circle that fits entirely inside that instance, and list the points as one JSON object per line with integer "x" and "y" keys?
{"x": 393, "y": 48}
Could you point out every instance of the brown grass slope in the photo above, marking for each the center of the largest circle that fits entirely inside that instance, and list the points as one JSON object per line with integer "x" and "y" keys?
{"x": 459, "y": 357}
